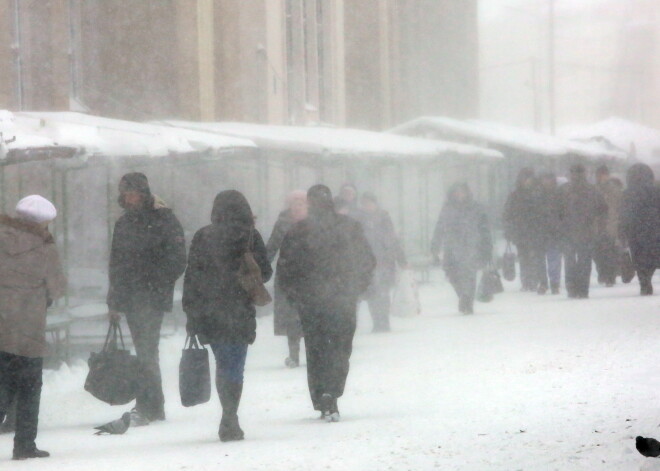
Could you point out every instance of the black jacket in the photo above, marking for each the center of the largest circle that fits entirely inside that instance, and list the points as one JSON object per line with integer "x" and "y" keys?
{"x": 582, "y": 212}
{"x": 148, "y": 255}
{"x": 325, "y": 264}
{"x": 217, "y": 307}
{"x": 640, "y": 217}
{"x": 523, "y": 216}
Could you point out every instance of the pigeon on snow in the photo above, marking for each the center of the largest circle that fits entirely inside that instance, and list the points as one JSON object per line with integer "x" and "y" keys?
{"x": 649, "y": 447}
{"x": 116, "y": 427}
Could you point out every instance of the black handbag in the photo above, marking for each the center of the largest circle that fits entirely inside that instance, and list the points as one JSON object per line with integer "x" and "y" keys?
{"x": 194, "y": 373}
{"x": 114, "y": 375}
{"x": 490, "y": 284}
{"x": 627, "y": 266}
{"x": 509, "y": 263}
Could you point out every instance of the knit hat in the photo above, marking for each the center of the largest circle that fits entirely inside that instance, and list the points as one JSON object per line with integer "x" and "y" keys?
{"x": 36, "y": 208}
{"x": 135, "y": 181}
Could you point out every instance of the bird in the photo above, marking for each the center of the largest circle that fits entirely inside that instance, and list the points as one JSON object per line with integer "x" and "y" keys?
{"x": 116, "y": 427}
{"x": 649, "y": 447}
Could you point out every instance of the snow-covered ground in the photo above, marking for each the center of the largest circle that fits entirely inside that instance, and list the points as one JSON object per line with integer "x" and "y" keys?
{"x": 527, "y": 383}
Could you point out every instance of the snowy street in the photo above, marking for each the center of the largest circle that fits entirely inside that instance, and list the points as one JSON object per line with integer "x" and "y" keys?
{"x": 527, "y": 383}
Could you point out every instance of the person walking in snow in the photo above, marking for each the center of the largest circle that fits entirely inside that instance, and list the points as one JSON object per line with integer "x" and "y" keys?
{"x": 385, "y": 245}
{"x": 550, "y": 234}
{"x": 286, "y": 318}
{"x": 325, "y": 265}
{"x": 349, "y": 193}
{"x": 607, "y": 250}
{"x": 148, "y": 255}
{"x": 463, "y": 236}
{"x": 640, "y": 223}
{"x": 219, "y": 311}
{"x": 521, "y": 226}
{"x": 31, "y": 278}
{"x": 582, "y": 216}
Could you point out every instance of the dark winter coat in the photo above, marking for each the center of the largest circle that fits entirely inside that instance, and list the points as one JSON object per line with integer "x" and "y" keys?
{"x": 325, "y": 264}
{"x": 462, "y": 233}
{"x": 582, "y": 212}
{"x": 148, "y": 255}
{"x": 640, "y": 217}
{"x": 285, "y": 314}
{"x": 385, "y": 245}
{"x": 30, "y": 278}
{"x": 613, "y": 197}
{"x": 217, "y": 307}
{"x": 522, "y": 216}
{"x": 549, "y": 224}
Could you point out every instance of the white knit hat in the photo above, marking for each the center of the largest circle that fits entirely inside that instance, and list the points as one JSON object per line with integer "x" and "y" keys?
{"x": 36, "y": 208}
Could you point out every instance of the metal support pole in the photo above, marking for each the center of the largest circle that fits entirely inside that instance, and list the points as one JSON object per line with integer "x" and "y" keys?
{"x": 551, "y": 66}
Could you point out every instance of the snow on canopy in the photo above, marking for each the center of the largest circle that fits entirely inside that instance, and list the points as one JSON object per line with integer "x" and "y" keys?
{"x": 642, "y": 142}
{"x": 108, "y": 137}
{"x": 504, "y": 137}
{"x": 340, "y": 141}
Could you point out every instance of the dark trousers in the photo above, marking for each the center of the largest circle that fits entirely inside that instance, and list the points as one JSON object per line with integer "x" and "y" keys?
{"x": 551, "y": 268}
{"x": 145, "y": 330}
{"x": 577, "y": 266}
{"x": 606, "y": 257}
{"x": 645, "y": 274}
{"x": 328, "y": 345}
{"x": 20, "y": 379}
{"x": 378, "y": 300}
{"x": 293, "y": 339}
{"x": 464, "y": 281}
{"x": 532, "y": 266}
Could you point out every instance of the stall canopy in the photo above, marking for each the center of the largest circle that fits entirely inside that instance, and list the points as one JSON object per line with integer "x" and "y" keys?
{"x": 98, "y": 136}
{"x": 335, "y": 142}
{"x": 641, "y": 142}
{"x": 21, "y": 144}
{"x": 505, "y": 138}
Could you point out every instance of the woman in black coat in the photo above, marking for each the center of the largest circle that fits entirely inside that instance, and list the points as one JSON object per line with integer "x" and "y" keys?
{"x": 286, "y": 317}
{"x": 640, "y": 223}
{"x": 463, "y": 235}
{"x": 218, "y": 309}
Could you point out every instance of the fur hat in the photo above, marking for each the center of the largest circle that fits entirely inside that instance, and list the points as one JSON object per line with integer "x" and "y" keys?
{"x": 35, "y": 208}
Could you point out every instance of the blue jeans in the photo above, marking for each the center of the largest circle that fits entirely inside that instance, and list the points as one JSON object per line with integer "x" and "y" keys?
{"x": 230, "y": 361}
{"x": 553, "y": 256}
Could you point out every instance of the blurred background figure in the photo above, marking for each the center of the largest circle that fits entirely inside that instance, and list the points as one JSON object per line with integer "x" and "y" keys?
{"x": 286, "y": 318}
{"x": 640, "y": 223}
{"x": 463, "y": 236}
{"x": 582, "y": 216}
{"x": 607, "y": 249}
{"x": 550, "y": 233}
{"x": 385, "y": 245}
{"x": 523, "y": 227}
{"x": 349, "y": 193}
{"x": 341, "y": 206}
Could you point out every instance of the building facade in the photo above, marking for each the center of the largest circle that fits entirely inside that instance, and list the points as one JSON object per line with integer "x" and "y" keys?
{"x": 360, "y": 63}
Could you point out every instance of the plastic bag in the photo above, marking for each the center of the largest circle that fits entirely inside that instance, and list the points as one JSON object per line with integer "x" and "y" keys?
{"x": 405, "y": 302}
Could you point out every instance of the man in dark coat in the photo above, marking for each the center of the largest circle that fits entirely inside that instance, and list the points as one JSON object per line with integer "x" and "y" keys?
{"x": 522, "y": 221}
{"x": 286, "y": 319}
{"x": 325, "y": 264}
{"x": 219, "y": 311}
{"x": 148, "y": 255}
{"x": 463, "y": 236}
{"x": 640, "y": 223}
{"x": 582, "y": 216}
{"x": 550, "y": 233}
{"x": 379, "y": 231}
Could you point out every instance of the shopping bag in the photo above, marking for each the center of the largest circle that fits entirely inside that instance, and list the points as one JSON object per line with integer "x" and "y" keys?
{"x": 509, "y": 263}
{"x": 113, "y": 372}
{"x": 490, "y": 284}
{"x": 405, "y": 301}
{"x": 194, "y": 373}
{"x": 627, "y": 266}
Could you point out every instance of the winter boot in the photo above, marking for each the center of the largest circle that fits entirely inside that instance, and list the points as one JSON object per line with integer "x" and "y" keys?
{"x": 542, "y": 289}
{"x": 230, "y": 398}
{"x": 333, "y": 415}
{"x": 32, "y": 452}
{"x": 646, "y": 288}
{"x": 326, "y": 404}
{"x": 138, "y": 419}
{"x": 291, "y": 363}
{"x": 554, "y": 288}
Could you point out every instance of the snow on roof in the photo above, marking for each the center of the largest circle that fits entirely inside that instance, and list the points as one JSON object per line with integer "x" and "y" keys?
{"x": 113, "y": 138}
{"x": 642, "y": 142}
{"x": 337, "y": 141}
{"x": 495, "y": 134}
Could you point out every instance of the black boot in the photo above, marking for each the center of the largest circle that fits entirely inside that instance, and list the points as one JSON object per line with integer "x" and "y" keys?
{"x": 32, "y": 452}
{"x": 230, "y": 398}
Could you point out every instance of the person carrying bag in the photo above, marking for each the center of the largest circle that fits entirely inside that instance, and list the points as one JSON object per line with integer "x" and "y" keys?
{"x": 194, "y": 373}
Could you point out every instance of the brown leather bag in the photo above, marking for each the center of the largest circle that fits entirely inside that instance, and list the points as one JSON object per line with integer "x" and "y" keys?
{"x": 249, "y": 276}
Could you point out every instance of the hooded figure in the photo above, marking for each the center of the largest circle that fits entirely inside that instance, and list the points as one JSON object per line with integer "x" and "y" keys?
{"x": 148, "y": 255}
{"x": 31, "y": 278}
{"x": 325, "y": 265}
{"x": 287, "y": 320}
{"x": 582, "y": 216}
{"x": 219, "y": 311}
{"x": 640, "y": 223}
{"x": 522, "y": 222}
{"x": 606, "y": 253}
{"x": 463, "y": 235}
